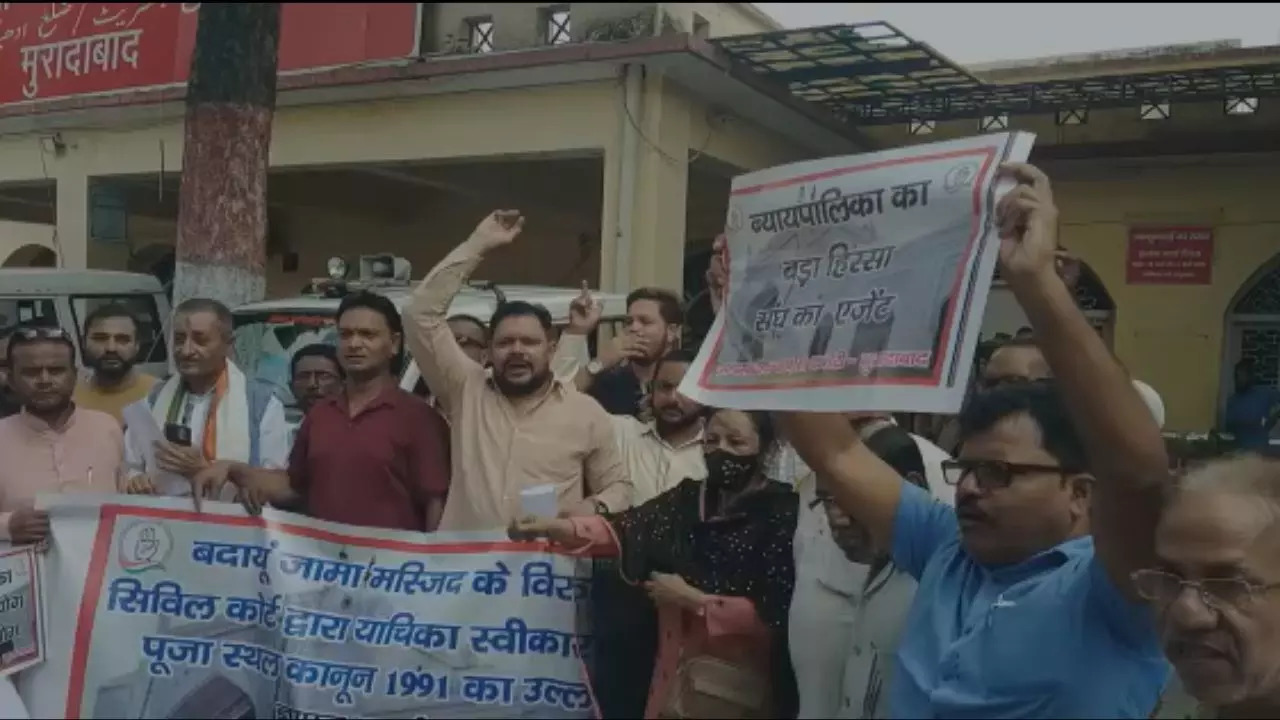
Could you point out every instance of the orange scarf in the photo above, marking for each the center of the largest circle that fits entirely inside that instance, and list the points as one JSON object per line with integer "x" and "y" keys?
{"x": 209, "y": 441}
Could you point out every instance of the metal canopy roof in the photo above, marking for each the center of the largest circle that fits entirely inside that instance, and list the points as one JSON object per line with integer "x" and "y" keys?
{"x": 871, "y": 73}
{"x": 1110, "y": 91}
{"x": 842, "y": 65}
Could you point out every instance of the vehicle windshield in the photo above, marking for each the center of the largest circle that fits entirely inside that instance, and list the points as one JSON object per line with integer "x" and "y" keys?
{"x": 265, "y": 342}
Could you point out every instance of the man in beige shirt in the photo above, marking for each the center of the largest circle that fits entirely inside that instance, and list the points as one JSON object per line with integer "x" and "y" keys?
{"x": 665, "y": 451}
{"x": 520, "y": 427}
{"x": 51, "y": 446}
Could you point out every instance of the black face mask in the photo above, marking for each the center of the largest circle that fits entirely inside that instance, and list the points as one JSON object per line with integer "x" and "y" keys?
{"x": 729, "y": 472}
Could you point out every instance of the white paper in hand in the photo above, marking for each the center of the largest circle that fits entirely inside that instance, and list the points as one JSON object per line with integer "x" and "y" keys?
{"x": 539, "y": 501}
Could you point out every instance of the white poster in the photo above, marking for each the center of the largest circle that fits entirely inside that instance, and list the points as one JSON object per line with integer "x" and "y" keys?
{"x": 22, "y": 629}
{"x": 166, "y": 613}
{"x": 858, "y": 282}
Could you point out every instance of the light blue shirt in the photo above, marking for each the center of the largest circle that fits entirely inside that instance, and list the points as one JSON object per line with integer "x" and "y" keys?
{"x": 1050, "y": 637}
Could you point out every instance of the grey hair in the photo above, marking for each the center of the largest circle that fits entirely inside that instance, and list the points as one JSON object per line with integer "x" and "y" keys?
{"x": 1246, "y": 474}
{"x": 207, "y": 305}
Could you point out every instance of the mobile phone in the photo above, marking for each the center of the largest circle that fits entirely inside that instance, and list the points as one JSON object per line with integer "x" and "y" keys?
{"x": 177, "y": 434}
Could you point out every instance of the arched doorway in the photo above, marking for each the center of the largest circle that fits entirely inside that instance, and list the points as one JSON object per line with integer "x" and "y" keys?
{"x": 158, "y": 260}
{"x": 1253, "y": 330}
{"x": 32, "y": 256}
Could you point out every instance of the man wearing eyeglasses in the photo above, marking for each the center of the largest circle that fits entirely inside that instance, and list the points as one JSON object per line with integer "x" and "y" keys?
{"x": 1027, "y": 607}
{"x": 51, "y": 446}
{"x": 472, "y": 336}
{"x": 314, "y": 374}
{"x": 850, "y": 602}
{"x": 1215, "y": 587}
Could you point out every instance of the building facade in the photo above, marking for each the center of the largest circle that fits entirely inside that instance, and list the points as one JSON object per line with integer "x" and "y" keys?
{"x": 616, "y": 127}
{"x": 1164, "y": 168}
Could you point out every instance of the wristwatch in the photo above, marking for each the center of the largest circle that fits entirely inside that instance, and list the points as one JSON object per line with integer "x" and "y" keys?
{"x": 601, "y": 508}
{"x": 595, "y": 367}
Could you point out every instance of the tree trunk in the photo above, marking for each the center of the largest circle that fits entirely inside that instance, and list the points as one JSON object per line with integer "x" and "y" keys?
{"x": 222, "y": 206}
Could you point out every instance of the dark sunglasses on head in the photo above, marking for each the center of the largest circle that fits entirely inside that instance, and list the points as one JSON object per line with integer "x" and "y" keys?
{"x": 41, "y": 333}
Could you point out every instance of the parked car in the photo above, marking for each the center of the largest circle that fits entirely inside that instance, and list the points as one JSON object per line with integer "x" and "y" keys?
{"x": 268, "y": 333}
{"x": 66, "y": 298}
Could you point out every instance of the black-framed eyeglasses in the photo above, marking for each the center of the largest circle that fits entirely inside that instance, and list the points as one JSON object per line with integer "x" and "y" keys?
{"x": 1162, "y": 588}
{"x": 992, "y": 474}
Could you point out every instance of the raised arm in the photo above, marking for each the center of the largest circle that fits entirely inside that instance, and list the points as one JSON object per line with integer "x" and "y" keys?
{"x": 1126, "y": 451}
{"x": 718, "y": 273}
{"x": 573, "y": 355}
{"x": 442, "y": 363}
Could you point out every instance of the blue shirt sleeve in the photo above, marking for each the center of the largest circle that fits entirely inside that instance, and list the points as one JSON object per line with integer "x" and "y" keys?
{"x": 920, "y": 526}
{"x": 1132, "y": 623}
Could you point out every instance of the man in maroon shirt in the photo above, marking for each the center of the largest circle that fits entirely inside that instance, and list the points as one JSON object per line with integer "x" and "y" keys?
{"x": 374, "y": 455}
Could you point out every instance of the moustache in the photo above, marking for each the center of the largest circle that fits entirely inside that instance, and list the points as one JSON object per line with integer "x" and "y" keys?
{"x": 969, "y": 510}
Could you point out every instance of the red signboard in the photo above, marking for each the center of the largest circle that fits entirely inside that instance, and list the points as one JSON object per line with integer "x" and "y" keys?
{"x": 1170, "y": 256}
{"x": 50, "y": 50}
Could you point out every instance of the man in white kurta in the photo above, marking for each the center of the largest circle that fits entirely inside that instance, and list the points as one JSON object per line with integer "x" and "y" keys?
{"x": 845, "y": 621}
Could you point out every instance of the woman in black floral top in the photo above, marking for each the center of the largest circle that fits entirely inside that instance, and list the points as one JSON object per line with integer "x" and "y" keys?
{"x": 716, "y": 559}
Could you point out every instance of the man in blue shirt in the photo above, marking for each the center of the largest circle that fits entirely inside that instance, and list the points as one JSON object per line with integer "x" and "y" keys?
{"x": 1020, "y": 612}
{"x": 1252, "y": 410}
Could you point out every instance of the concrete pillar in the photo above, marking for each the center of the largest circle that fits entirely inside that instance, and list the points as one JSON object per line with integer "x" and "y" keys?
{"x": 658, "y": 219}
{"x": 646, "y": 183}
{"x": 73, "y": 220}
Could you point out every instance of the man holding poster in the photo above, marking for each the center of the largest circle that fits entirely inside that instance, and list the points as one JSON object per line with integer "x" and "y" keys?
{"x": 853, "y": 280}
{"x": 1027, "y": 605}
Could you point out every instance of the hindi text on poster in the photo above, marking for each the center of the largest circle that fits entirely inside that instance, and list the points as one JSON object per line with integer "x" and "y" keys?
{"x": 173, "y": 613}
{"x": 852, "y": 280}
{"x": 22, "y": 627}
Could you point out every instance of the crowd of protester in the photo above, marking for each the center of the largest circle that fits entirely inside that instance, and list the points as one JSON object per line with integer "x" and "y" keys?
{"x": 1040, "y": 560}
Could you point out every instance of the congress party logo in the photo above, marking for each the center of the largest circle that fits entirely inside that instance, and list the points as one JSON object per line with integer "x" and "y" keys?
{"x": 144, "y": 545}
{"x": 734, "y": 223}
{"x": 960, "y": 177}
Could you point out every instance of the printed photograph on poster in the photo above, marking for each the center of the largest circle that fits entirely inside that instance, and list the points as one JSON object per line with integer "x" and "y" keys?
{"x": 857, "y": 282}
{"x": 22, "y": 627}
{"x": 218, "y": 615}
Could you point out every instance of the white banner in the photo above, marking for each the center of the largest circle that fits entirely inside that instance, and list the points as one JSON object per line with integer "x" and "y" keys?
{"x": 165, "y": 613}
{"x": 22, "y": 628}
{"x": 857, "y": 282}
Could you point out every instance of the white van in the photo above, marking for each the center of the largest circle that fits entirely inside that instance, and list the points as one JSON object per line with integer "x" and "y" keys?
{"x": 66, "y": 298}
{"x": 268, "y": 333}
